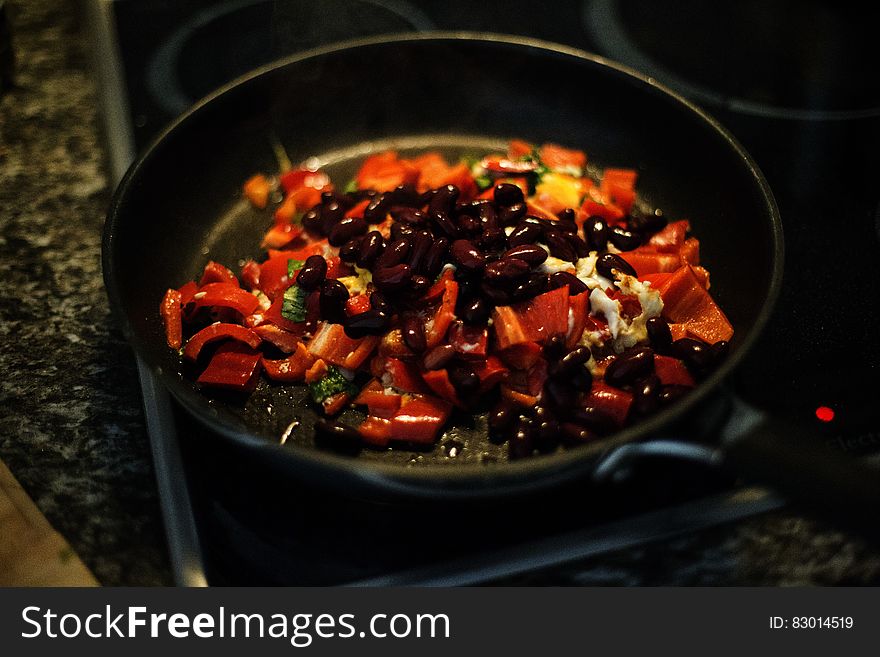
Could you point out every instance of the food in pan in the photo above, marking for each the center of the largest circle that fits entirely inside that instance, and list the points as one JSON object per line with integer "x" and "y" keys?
{"x": 524, "y": 284}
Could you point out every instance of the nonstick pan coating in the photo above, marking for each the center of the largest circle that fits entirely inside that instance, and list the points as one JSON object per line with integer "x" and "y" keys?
{"x": 180, "y": 205}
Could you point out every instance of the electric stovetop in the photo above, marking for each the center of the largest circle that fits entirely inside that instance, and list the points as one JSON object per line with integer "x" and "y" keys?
{"x": 796, "y": 83}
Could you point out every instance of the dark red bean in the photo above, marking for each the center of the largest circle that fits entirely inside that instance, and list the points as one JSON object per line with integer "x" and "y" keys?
{"x": 501, "y": 420}
{"x": 348, "y": 228}
{"x": 312, "y": 273}
{"x": 524, "y": 233}
{"x": 594, "y": 418}
{"x": 443, "y": 225}
{"x": 379, "y": 302}
{"x": 554, "y": 349}
{"x": 497, "y": 295}
{"x": 464, "y": 380}
{"x": 399, "y": 230}
{"x": 332, "y": 301}
{"x": 506, "y": 272}
{"x": 349, "y": 251}
{"x": 521, "y": 443}
{"x": 567, "y": 215}
{"x": 630, "y": 366}
{"x": 443, "y": 199}
{"x": 492, "y": 238}
{"x": 433, "y": 262}
{"x": 473, "y": 310}
{"x": 533, "y": 254}
{"x": 571, "y": 362}
{"x": 419, "y": 285}
{"x": 560, "y": 394}
{"x": 669, "y": 394}
{"x": 413, "y": 332}
{"x": 421, "y": 242}
{"x": 466, "y": 255}
{"x": 623, "y": 239}
{"x": 406, "y": 194}
{"x": 468, "y": 226}
{"x": 408, "y": 215}
{"x": 546, "y": 430}
{"x": 438, "y": 357}
{"x": 646, "y": 395}
{"x": 609, "y": 261}
{"x": 487, "y": 216}
{"x": 719, "y": 351}
{"x": 370, "y": 322}
{"x": 311, "y": 220}
{"x": 573, "y": 434}
{"x": 559, "y": 246}
{"x": 471, "y": 208}
{"x": 507, "y": 194}
{"x": 510, "y": 215}
{"x": 659, "y": 334}
{"x": 698, "y": 356}
{"x": 648, "y": 223}
{"x": 536, "y": 284}
{"x": 596, "y": 233}
{"x": 377, "y": 209}
{"x": 582, "y": 379}
{"x": 394, "y": 254}
{"x": 580, "y": 247}
{"x": 562, "y": 278}
{"x": 331, "y": 214}
{"x": 372, "y": 247}
{"x": 392, "y": 279}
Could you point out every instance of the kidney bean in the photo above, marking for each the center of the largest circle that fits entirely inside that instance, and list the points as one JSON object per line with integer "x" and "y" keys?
{"x": 510, "y": 215}
{"x": 560, "y": 394}
{"x": 378, "y": 208}
{"x": 399, "y": 230}
{"x": 471, "y": 208}
{"x": 649, "y": 222}
{"x": 672, "y": 393}
{"x": 546, "y": 430}
{"x": 501, "y": 420}
{"x": 571, "y": 362}
{"x": 443, "y": 225}
{"x": 596, "y": 233}
{"x": 346, "y": 229}
{"x": 497, "y": 295}
{"x": 472, "y": 310}
{"x": 433, "y": 261}
{"x": 623, "y": 239}
{"x": 419, "y": 285}
{"x": 593, "y": 418}
{"x": 609, "y": 261}
{"x": 438, "y": 357}
{"x": 394, "y": 253}
{"x": 488, "y": 216}
{"x": 559, "y": 246}
{"x": 580, "y": 247}
{"x": 719, "y": 351}
{"x": 537, "y": 283}
{"x": 573, "y": 434}
{"x": 521, "y": 443}
{"x": 562, "y": 278}
{"x": 408, "y": 215}
{"x": 421, "y": 242}
{"x": 337, "y": 436}
{"x": 524, "y": 233}
{"x": 464, "y": 380}
{"x": 582, "y": 379}
{"x": 506, "y": 272}
{"x": 312, "y": 273}
{"x": 370, "y": 322}
{"x": 698, "y": 356}
{"x": 554, "y": 349}
{"x": 392, "y": 279}
{"x": 646, "y": 395}
{"x": 630, "y": 366}
{"x": 533, "y": 254}
{"x": 372, "y": 247}
{"x": 507, "y": 194}
{"x": 466, "y": 255}
{"x": 379, "y": 302}
{"x": 332, "y": 301}
{"x": 349, "y": 251}
{"x": 659, "y": 334}
{"x": 469, "y": 226}
{"x": 567, "y": 215}
{"x": 413, "y": 332}
{"x": 406, "y": 194}
{"x": 443, "y": 199}
{"x": 331, "y": 214}
{"x": 492, "y": 238}
{"x": 311, "y": 220}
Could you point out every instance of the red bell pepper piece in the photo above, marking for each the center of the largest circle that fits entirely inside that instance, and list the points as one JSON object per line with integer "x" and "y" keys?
{"x": 558, "y": 157}
{"x": 599, "y": 205}
{"x": 232, "y": 367}
{"x": 280, "y": 235}
{"x": 219, "y": 331}
{"x": 671, "y": 238}
{"x": 491, "y": 372}
{"x": 357, "y": 304}
{"x": 290, "y": 369}
{"x": 378, "y": 402}
{"x": 521, "y": 399}
{"x": 517, "y": 148}
{"x": 472, "y": 342}
{"x": 690, "y": 251}
{"x": 273, "y": 273}
{"x": 702, "y": 275}
{"x": 376, "y": 431}
{"x": 385, "y": 171}
{"x": 439, "y": 383}
{"x": 403, "y": 376}
{"x": 436, "y": 327}
{"x": 170, "y": 310}
{"x": 214, "y": 272}
{"x": 579, "y": 308}
{"x": 686, "y": 301}
{"x": 303, "y": 188}
{"x": 536, "y": 320}
{"x": 274, "y": 316}
{"x": 503, "y": 166}
{"x": 651, "y": 262}
{"x": 286, "y": 341}
{"x": 358, "y": 209}
{"x": 331, "y": 344}
{"x": 226, "y": 295}
{"x": 436, "y": 291}
{"x": 613, "y": 402}
{"x": 672, "y": 371}
{"x": 187, "y": 292}
{"x": 256, "y": 189}
{"x": 521, "y": 356}
{"x": 250, "y": 274}
{"x": 335, "y": 403}
{"x": 420, "y": 420}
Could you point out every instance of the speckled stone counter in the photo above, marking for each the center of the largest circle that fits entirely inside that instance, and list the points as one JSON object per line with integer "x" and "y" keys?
{"x": 72, "y": 429}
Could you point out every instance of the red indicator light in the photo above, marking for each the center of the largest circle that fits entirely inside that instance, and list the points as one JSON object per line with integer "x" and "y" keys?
{"x": 824, "y": 414}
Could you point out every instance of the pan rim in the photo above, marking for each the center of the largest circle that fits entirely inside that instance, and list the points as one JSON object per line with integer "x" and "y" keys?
{"x": 465, "y": 479}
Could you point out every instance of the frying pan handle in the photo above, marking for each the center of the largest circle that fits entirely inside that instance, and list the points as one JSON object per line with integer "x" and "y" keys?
{"x": 794, "y": 460}
{"x": 619, "y": 460}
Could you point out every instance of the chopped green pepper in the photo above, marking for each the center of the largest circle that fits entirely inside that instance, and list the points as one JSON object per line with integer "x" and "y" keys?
{"x": 294, "y": 306}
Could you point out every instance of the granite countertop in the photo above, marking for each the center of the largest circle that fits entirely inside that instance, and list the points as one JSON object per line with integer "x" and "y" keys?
{"x": 72, "y": 430}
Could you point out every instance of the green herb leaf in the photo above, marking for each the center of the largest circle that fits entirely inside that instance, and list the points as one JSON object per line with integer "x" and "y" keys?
{"x": 294, "y": 306}
{"x": 351, "y": 187}
{"x": 483, "y": 182}
{"x": 292, "y": 266}
{"x": 331, "y": 384}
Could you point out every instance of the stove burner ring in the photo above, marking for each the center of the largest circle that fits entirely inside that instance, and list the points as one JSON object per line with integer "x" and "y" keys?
{"x": 163, "y": 73}
{"x": 603, "y": 21}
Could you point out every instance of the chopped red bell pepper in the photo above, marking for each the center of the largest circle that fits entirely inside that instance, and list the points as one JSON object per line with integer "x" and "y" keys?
{"x": 187, "y": 292}
{"x": 335, "y": 403}
{"x": 472, "y": 342}
{"x": 358, "y": 209}
{"x": 517, "y": 148}
{"x": 286, "y": 341}
{"x": 232, "y": 367}
{"x": 376, "y": 431}
{"x": 378, "y": 402}
{"x": 316, "y": 372}
{"x": 290, "y": 369}
{"x": 303, "y": 187}
{"x": 420, "y": 420}
{"x": 357, "y": 304}
{"x": 219, "y": 331}
{"x": 558, "y": 157}
{"x": 274, "y": 316}
{"x": 521, "y": 399}
{"x": 280, "y": 235}
{"x": 403, "y": 376}
{"x": 250, "y": 274}
{"x": 439, "y": 383}
{"x": 226, "y": 295}
{"x": 385, "y": 171}
{"x": 651, "y": 262}
{"x": 690, "y": 251}
{"x": 702, "y": 275}
{"x": 579, "y": 308}
{"x": 521, "y": 356}
{"x": 615, "y": 403}
{"x": 535, "y": 209}
{"x": 670, "y": 238}
{"x": 170, "y": 310}
{"x": 501, "y": 165}
{"x": 256, "y": 189}
{"x": 491, "y": 372}
{"x": 599, "y": 205}
{"x": 331, "y": 344}
{"x": 672, "y": 371}
{"x": 536, "y": 320}
{"x": 686, "y": 301}
{"x": 214, "y": 272}
{"x": 436, "y": 327}
{"x": 274, "y": 277}
{"x": 435, "y": 292}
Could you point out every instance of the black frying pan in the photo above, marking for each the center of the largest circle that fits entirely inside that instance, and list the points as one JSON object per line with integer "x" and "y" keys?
{"x": 180, "y": 205}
